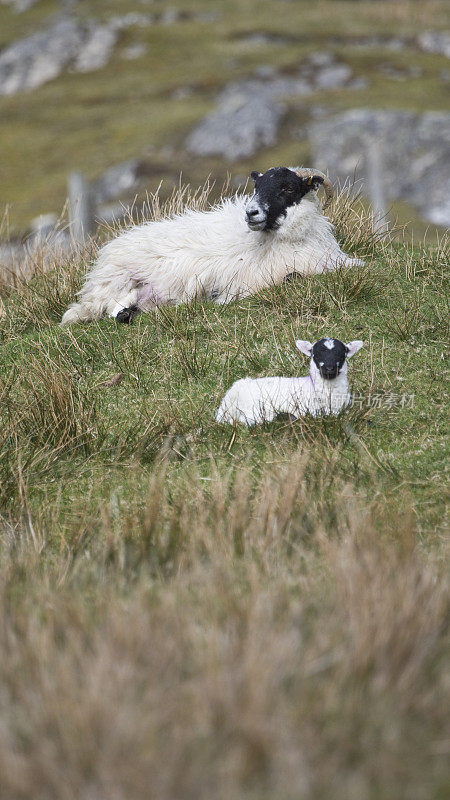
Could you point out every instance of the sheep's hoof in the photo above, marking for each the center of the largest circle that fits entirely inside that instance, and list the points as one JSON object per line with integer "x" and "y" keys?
{"x": 292, "y": 276}
{"x": 127, "y": 315}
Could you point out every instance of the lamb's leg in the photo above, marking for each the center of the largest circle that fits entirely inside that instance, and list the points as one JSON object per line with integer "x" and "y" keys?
{"x": 286, "y": 416}
{"x": 220, "y": 299}
{"x": 230, "y": 294}
{"x": 341, "y": 260}
{"x": 353, "y": 262}
{"x": 292, "y": 277}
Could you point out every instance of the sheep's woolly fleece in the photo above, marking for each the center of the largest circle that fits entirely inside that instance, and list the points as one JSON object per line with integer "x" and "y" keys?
{"x": 208, "y": 253}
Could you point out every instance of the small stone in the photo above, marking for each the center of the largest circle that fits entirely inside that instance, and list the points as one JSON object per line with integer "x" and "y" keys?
{"x": 130, "y": 20}
{"x": 249, "y": 112}
{"x": 20, "y": 5}
{"x": 265, "y": 71}
{"x": 435, "y": 42}
{"x": 96, "y": 50}
{"x": 134, "y": 51}
{"x": 119, "y": 180}
{"x": 358, "y": 83}
{"x": 170, "y": 16}
{"x": 333, "y": 77}
{"x": 64, "y": 44}
{"x": 321, "y": 59}
{"x": 183, "y": 92}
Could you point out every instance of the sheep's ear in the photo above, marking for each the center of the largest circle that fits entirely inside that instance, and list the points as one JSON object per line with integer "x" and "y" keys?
{"x": 314, "y": 182}
{"x": 304, "y": 347}
{"x": 353, "y": 347}
{"x": 255, "y": 175}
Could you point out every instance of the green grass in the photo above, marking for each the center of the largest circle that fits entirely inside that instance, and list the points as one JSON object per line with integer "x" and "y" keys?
{"x": 192, "y": 610}
{"x": 177, "y": 364}
{"x": 73, "y": 122}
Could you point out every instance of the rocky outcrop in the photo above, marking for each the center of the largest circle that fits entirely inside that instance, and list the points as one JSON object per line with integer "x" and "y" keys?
{"x": 120, "y": 180}
{"x": 435, "y": 42}
{"x": 249, "y": 112}
{"x": 246, "y": 119}
{"x": 414, "y": 155}
{"x": 39, "y": 58}
{"x": 76, "y": 45}
{"x": 20, "y": 5}
{"x": 36, "y": 59}
{"x": 96, "y": 49}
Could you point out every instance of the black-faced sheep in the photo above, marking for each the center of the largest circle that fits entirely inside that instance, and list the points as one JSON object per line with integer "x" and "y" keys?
{"x": 234, "y": 249}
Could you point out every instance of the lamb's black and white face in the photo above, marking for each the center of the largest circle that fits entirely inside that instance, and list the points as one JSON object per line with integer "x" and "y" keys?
{"x": 275, "y": 192}
{"x": 329, "y": 355}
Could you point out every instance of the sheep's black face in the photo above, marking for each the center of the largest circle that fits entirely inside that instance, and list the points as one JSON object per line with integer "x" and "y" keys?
{"x": 275, "y": 192}
{"x": 329, "y": 357}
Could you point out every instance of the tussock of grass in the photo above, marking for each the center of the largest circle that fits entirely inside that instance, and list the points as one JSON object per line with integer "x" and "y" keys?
{"x": 195, "y": 610}
{"x": 201, "y": 651}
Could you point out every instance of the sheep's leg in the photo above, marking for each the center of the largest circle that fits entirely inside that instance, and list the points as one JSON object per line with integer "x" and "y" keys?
{"x": 121, "y": 302}
{"x": 149, "y": 298}
{"x": 81, "y": 312}
{"x": 127, "y": 315}
{"x": 146, "y": 299}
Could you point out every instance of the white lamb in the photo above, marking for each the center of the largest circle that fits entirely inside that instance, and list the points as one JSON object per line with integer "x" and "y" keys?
{"x": 324, "y": 391}
{"x": 234, "y": 249}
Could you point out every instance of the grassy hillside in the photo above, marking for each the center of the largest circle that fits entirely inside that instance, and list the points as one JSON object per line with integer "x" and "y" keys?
{"x": 189, "y": 610}
{"x": 135, "y": 108}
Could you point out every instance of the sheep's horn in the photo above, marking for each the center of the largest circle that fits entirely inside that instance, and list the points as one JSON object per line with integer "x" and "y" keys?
{"x": 307, "y": 172}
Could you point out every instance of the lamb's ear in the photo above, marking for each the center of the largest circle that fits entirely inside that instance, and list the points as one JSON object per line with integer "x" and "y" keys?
{"x": 304, "y": 347}
{"x": 255, "y": 175}
{"x": 353, "y": 347}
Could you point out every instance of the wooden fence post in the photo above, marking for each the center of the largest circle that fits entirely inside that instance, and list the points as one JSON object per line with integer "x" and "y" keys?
{"x": 81, "y": 207}
{"x": 374, "y": 180}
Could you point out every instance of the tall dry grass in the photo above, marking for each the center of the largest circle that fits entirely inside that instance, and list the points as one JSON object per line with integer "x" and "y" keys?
{"x": 231, "y": 642}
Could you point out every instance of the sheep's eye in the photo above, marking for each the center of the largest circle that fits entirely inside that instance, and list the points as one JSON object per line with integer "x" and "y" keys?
{"x": 287, "y": 191}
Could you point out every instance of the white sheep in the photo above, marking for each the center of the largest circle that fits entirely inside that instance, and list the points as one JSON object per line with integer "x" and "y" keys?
{"x": 324, "y": 391}
{"x": 234, "y": 249}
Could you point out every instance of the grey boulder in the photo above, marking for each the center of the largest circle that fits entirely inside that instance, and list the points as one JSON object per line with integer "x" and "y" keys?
{"x": 65, "y": 44}
{"x": 246, "y": 119}
{"x": 414, "y": 155}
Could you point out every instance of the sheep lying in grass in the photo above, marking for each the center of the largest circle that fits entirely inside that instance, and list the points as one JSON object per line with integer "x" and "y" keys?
{"x": 324, "y": 391}
{"x": 234, "y": 249}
